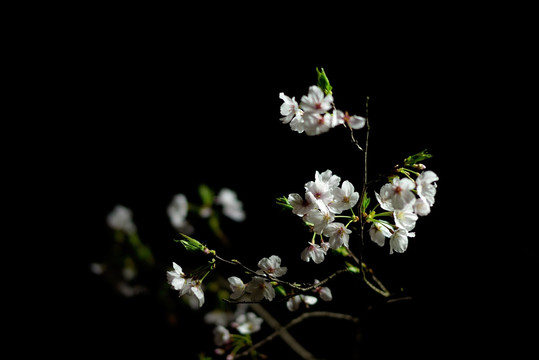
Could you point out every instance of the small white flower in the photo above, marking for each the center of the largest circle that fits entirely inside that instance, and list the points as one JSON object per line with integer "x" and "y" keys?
{"x": 295, "y": 302}
{"x": 426, "y": 187}
{"x": 400, "y": 193}
{"x": 316, "y": 124}
{"x": 399, "y": 240}
{"x": 193, "y": 287}
{"x": 320, "y": 217}
{"x": 345, "y": 198}
{"x": 121, "y": 219}
{"x": 379, "y": 232}
{"x": 248, "y": 323}
{"x": 271, "y": 266}
{"x": 405, "y": 218}
{"x": 237, "y": 286}
{"x": 314, "y": 252}
{"x": 176, "y": 277}
{"x": 320, "y": 190}
{"x": 421, "y": 207}
{"x": 289, "y": 109}
{"x": 338, "y": 235}
{"x": 302, "y": 206}
{"x": 328, "y": 178}
{"x": 298, "y": 124}
{"x": 259, "y": 288}
{"x": 384, "y": 198}
{"x": 353, "y": 121}
{"x": 315, "y": 101}
{"x": 323, "y": 292}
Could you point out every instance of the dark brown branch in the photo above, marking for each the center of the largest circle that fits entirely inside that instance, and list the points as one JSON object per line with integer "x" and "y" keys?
{"x": 296, "y": 321}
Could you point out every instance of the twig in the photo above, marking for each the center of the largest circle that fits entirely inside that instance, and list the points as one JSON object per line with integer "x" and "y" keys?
{"x": 364, "y": 190}
{"x": 272, "y": 278}
{"x": 280, "y": 330}
{"x": 354, "y": 140}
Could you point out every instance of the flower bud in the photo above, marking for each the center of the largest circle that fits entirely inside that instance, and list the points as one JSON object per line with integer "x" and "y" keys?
{"x": 191, "y": 244}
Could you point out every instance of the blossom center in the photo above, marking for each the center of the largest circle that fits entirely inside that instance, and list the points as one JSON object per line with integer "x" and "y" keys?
{"x": 398, "y": 190}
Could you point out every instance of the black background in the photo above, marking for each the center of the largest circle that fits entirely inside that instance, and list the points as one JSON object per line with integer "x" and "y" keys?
{"x": 152, "y": 110}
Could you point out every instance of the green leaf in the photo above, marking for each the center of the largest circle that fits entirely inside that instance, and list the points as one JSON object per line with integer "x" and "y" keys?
{"x": 414, "y": 159}
{"x": 280, "y": 290}
{"x": 323, "y": 81}
{"x": 341, "y": 251}
{"x": 366, "y": 202}
{"x": 352, "y": 268}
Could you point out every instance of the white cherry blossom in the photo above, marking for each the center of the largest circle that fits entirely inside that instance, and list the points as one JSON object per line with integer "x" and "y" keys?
{"x": 237, "y": 286}
{"x": 289, "y": 109}
{"x": 399, "y": 192}
{"x": 338, "y": 235}
{"x": 259, "y": 288}
{"x": 176, "y": 278}
{"x": 315, "y": 101}
{"x": 405, "y": 218}
{"x": 301, "y": 206}
{"x": 344, "y": 198}
{"x": 398, "y": 241}
{"x": 271, "y": 266}
{"x": 379, "y": 231}
{"x": 426, "y": 188}
{"x": 314, "y": 252}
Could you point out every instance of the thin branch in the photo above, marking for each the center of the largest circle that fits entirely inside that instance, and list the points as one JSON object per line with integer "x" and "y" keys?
{"x": 296, "y": 321}
{"x": 283, "y": 282}
{"x": 354, "y": 140}
{"x": 364, "y": 190}
{"x": 279, "y": 331}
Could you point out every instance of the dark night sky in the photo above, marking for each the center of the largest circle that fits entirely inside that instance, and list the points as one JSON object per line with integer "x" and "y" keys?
{"x": 159, "y": 114}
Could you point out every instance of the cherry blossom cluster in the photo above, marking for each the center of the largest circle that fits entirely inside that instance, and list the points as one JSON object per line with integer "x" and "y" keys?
{"x": 324, "y": 199}
{"x": 404, "y": 199}
{"x": 260, "y": 286}
{"x": 226, "y": 323}
{"x": 185, "y": 285}
{"x": 312, "y": 114}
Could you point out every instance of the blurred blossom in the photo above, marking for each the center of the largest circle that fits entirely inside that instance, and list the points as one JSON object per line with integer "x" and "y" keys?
{"x": 232, "y": 207}
{"x": 295, "y": 302}
{"x": 97, "y": 269}
{"x": 221, "y": 335}
{"x": 218, "y": 317}
{"x": 177, "y": 213}
{"x": 248, "y": 323}
{"x": 121, "y": 219}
